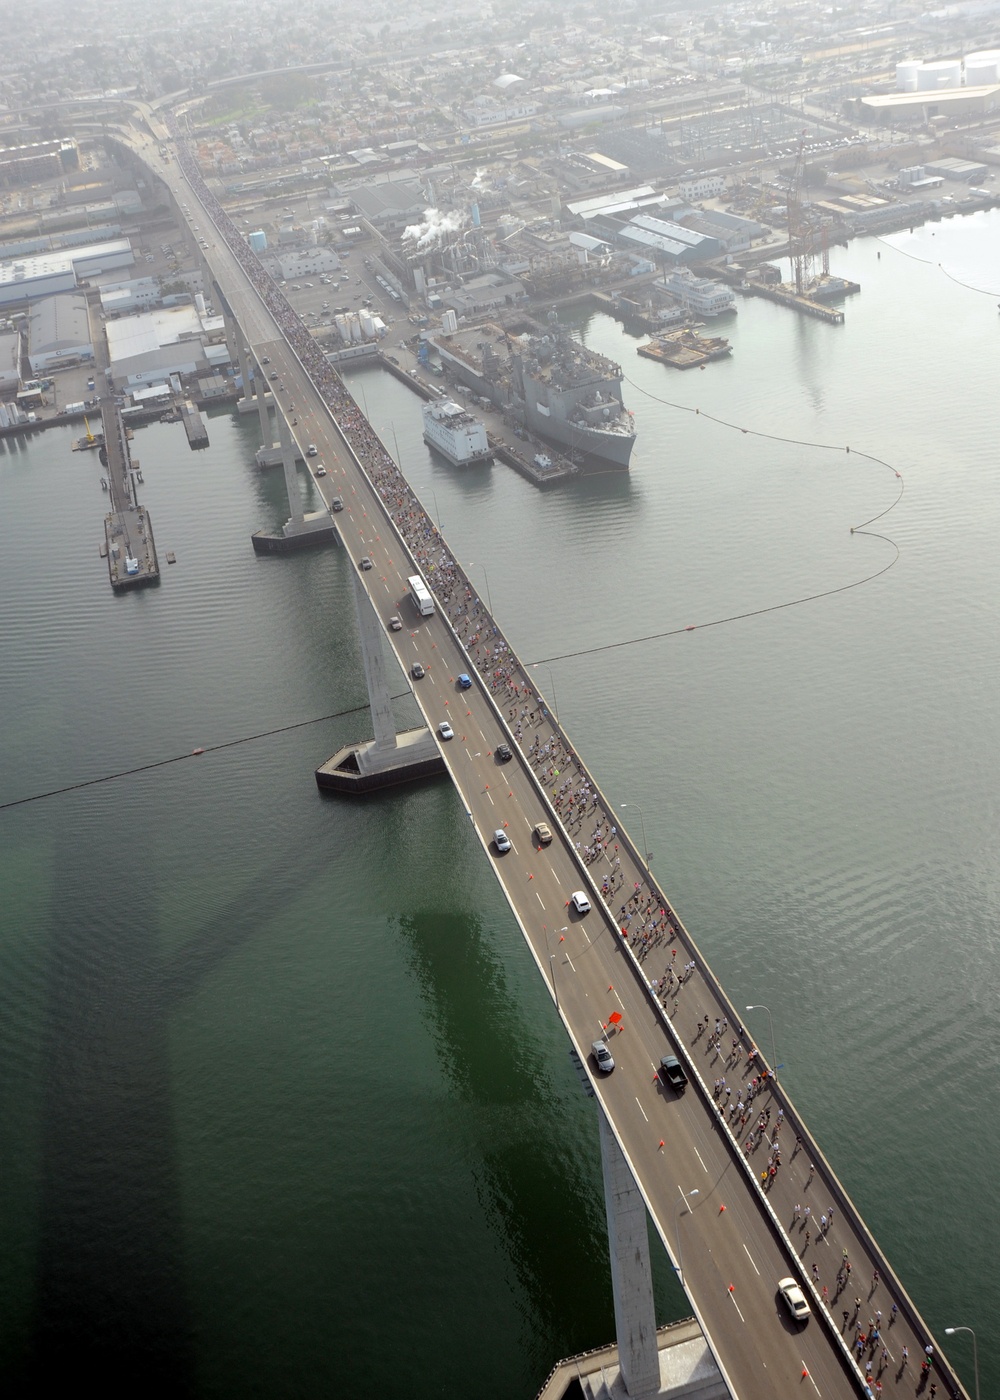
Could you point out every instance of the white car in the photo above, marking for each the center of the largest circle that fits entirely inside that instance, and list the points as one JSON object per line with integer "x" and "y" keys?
{"x": 321, "y": 470}
{"x": 502, "y": 841}
{"x": 795, "y": 1300}
{"x": 445, "y": 730}
{"x": 603, "y": 1056}
{"x": 312, "y": 450}
{"x": 580, "y": 902}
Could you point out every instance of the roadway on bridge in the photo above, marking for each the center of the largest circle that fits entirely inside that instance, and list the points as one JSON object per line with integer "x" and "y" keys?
{"x": 731, "y": 1253}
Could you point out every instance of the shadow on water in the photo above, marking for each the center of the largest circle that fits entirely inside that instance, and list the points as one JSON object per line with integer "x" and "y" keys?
{"x": 538, "y": 1181}
{"x": 110, "y": 1305}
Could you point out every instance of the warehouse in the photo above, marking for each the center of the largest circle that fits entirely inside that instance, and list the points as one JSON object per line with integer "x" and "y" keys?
{"x": 148, "y": 348}
{"x": 61, "y": 270}
{"x": 59, "y": 332}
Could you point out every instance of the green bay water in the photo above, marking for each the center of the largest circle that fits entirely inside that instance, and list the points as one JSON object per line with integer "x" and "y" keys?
{"x": 285, "y": 1106}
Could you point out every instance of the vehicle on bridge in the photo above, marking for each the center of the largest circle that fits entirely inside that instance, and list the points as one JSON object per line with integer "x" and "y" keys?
{"x": 672, "y": 1073}
{"x": 464, "y": 681}
{"x": 395, "y": 625}
{"x": 603, "y": 1056}
{"x": 337, "y": 503}
{"x": 502, "y": 841}
{"x": 420, "y": 594}
{"x": 503, "y": 753}
{"x": 445, "y": 730}
{"x": 542, "y": 834}
{"x": 794, "y": 1299}
{"x": 417, "y": 671}
{"x": 366, "y": 563}
{"x": 579, "y": 900}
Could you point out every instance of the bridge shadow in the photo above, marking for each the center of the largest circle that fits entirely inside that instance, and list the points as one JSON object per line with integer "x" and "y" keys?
{"x": 111, "y": 1309}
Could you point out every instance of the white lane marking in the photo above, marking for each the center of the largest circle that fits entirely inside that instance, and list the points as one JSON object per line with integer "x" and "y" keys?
{"x": 806, "y": 1372}
{"x": 750, "y": 1257}
{"x": 698, "y": 1155}
{"x": 642, "y": 1110}
{"x": 490, "y": 796}
{"x": 539, "y": 898}
{"x": 570, "y": 961}
{"x": 732, "y": 1299}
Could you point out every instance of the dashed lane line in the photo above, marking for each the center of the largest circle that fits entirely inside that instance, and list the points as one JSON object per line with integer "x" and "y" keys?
{"x": 751, "y": 1258}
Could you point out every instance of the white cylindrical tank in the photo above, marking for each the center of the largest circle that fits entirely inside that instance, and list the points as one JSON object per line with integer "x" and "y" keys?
{"x": 945, "y": 73}
{"x": 449, "y": 322}
{"x": 906, "y": 75}
{"x": 982, "y": 69}
{"x": 199, "y": 303}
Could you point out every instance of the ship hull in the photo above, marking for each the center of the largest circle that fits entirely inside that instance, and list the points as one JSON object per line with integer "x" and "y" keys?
{"x": 601, "y": 451}
{"x": 477, "y": 458}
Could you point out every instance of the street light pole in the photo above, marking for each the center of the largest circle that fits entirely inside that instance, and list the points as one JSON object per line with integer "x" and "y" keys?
{"x": 677, "y": 1229}
{"x": 647, "y": 854}
{"x": 949, "y": 1332}
{"x": 774, "y": 1057}
{"x": 486, "y": 576}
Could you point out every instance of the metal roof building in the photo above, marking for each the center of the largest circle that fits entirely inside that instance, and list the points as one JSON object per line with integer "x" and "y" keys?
{"x": 60, "y": 270}
{"x": 59, "y": 331}
{"x": 669, "y": 241}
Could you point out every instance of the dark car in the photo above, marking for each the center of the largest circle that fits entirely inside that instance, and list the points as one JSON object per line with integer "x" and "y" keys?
{"x": 503, "y": 753}
{"x": 366, "y": 563}
{"x": 671, "y": 1072}
{"x": 337, "y": 503}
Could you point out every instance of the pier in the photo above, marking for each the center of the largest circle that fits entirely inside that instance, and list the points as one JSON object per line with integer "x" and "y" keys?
{"x": 197, "y": 433}
{"x": 128, "y": 531}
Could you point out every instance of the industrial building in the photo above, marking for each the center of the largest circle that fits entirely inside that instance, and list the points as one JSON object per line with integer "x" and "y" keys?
{"x": 10, "y": 363}
{"x": 665, "y": 241}
{"x": 60, "y": 270}
{"x": 42, "y": 160}
{"x": 122, "y": 298}
{"x": 59, "y": 332}
{"x": 148, "y": 348}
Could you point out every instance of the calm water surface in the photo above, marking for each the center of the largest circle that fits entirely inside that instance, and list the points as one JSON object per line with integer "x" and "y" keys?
{"x": 262, "y": 1129}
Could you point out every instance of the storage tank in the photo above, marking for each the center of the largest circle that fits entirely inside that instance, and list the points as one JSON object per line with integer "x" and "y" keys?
{"x": 982, "y": 69}
{"x": 935, "y": 77}
{"x": 449, "y": 322}
{"x": 199, "y": 303}
{"x": 906, "y": 75}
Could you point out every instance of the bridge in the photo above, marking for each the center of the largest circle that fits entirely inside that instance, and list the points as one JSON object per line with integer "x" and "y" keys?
{"x": 737, "y": 1207}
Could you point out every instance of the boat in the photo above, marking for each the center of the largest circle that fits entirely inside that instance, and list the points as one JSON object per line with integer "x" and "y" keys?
{"x": 685, "y": 349}
{"x": 572, "y": 396}
{"x": 548, "y": 384}
{"x": 451, "y": 430}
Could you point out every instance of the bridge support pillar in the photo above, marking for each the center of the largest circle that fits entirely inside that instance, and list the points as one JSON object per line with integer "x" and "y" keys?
{"x": 391, "y": 758}
{"x": 288, "y": 455}
{"x": 631, "y": 1277}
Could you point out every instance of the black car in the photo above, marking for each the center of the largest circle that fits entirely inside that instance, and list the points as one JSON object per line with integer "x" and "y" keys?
{"x": 671, "y": 1072}
{"x": 503, "y": 753}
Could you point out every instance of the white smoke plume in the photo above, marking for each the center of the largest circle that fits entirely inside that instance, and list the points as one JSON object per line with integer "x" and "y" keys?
{"x": 434, "y": 228}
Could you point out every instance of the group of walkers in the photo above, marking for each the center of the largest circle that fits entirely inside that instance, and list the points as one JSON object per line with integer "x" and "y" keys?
{"x": 643, "y": 916}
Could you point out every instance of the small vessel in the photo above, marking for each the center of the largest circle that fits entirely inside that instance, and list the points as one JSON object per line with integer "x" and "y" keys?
{"x": 453, "y": 432}
{"x": 686, "y": 349}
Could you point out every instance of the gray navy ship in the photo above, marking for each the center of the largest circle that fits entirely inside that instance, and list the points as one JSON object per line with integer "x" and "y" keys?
{"x": 555, "y": 386}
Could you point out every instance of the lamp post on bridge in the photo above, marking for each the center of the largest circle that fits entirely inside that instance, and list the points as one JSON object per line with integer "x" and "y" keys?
{"x": 555, "y": 703}
{"x": 677, "y": 1228}
{"x": 774, "y": 1057}
{"x": 647, "y": 854}
{"x": 950, "y": 1332}
{"x": 489, "y": 599}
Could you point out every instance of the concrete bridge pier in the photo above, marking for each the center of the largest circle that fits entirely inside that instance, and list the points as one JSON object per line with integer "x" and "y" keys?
{"x": 301, "y": 530}
{"x": 631, "y": 1276}
{"x": 391, "y": 757}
